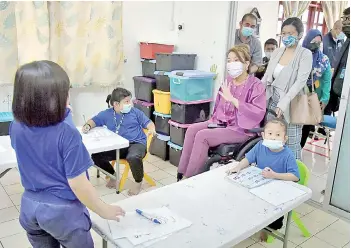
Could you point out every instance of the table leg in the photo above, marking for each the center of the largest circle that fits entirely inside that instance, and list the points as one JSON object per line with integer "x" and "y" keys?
{"x": 104, "y": 243}
{"x": 287, "y": 230}
{"x": 117, "y": 171}
{"x": 4, "y": 172}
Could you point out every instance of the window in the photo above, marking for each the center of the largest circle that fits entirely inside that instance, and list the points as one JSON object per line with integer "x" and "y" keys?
{"x": 312, "y": 18}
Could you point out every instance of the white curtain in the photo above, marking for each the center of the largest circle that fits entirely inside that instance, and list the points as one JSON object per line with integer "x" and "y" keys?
{"x": 333, "y": 11}
{"x": 85, "y": 38}
{"x": 295, "y": 8}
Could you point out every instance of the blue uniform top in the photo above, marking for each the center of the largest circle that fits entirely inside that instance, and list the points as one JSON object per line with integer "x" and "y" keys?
{"x": 280, "y": 162}
{"x": 130, "y": 126}
{"x": 48, "y": 156}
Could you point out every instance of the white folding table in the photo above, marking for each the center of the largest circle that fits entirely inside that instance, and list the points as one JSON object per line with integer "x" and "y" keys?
{"x": 93, "y": 143}
{"x": 222, "y": 213}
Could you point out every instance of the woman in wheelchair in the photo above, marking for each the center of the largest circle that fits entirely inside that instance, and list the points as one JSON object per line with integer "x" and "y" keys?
{"x": 240, "y": 105}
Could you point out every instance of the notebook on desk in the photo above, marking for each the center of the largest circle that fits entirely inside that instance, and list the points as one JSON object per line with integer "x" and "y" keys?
{"x": 250, "y": 177}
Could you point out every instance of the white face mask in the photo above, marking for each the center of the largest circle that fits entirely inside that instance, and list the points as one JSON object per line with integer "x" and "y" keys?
{"x": 268, "y": 54}
{"x": 235, "y": 69}
{"x": 273, "y": 144}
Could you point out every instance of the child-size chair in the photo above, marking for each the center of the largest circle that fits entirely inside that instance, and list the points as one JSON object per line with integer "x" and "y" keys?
{"x": 304, "y": 177}
{"x": 127, "y": 167}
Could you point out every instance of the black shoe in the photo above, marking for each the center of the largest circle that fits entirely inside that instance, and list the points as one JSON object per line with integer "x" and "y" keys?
{"x": 179, "y": 176}
{"x": 322, "y": 131}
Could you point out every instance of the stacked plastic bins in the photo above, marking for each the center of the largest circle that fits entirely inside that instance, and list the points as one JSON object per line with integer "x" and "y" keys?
{"x": 165, "y": 64}
{"x": 5, "y": 119}
{"x": 144, "y": 85}
{"x": 191, "y": 97}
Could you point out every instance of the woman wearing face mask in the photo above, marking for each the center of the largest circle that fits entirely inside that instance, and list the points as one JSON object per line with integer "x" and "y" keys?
{"x": 286, "y": 76}
{"x": 240, "y": 105}
{"x": 321, "y": 74}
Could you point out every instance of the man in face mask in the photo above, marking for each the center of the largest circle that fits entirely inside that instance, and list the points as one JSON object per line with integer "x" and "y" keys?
{"x": 339, "y": 67}
{"x": 129, "y": 123}
{"x": 333, "y": 41}
{"x": 269, "y": 46}
{"x": 245, "y": 35}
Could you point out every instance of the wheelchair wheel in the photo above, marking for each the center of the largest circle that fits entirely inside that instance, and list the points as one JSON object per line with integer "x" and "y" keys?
{"x": 247, "y": 147}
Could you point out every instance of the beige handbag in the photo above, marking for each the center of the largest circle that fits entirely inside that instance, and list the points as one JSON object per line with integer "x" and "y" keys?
{"x": 305, "y": 109}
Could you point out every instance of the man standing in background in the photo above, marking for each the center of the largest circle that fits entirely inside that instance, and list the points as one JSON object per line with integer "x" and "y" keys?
{"x": 245, "y": 35}
{"x": 333, "y": 41}
{"x": 269, "y": 46}
{"x": 339, "y": 67}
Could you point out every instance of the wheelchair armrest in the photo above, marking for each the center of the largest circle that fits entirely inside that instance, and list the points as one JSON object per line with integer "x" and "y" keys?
{"x": 255, "y": 130}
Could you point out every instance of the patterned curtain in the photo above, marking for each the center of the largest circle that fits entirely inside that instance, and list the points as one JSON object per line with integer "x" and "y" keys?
{"x": 295, "y": 8}
{"x": 333, "y": 11}
{"x": 85, "y": 38}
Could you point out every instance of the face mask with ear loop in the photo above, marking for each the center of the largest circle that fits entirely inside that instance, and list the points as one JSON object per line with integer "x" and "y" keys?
{"x": 126, "y": 108}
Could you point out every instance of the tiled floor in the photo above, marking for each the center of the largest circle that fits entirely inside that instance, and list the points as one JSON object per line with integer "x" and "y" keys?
{"x": 327, "y": 231}
{"x": 315, "y": 156}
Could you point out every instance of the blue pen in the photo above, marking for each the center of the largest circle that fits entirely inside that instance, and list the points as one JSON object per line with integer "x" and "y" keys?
{"x": 138, "y": 211}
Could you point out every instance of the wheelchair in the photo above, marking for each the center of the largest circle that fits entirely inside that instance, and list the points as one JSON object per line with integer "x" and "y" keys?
{"x": 225, "y": 153}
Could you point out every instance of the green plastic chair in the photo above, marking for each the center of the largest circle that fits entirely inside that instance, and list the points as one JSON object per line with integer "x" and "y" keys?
{"x": 304, "y": 177}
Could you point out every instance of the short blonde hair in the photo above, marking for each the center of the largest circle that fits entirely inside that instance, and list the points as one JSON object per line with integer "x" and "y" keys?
{"x": 242, "y": 51}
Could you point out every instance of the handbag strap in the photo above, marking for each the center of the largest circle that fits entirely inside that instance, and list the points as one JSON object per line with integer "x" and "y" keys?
{"x": 306, "y": 89}
{"x": 312, "y": 81}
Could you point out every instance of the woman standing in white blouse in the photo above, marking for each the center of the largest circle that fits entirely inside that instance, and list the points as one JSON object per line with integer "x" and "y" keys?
{"x": 286, "y": 77}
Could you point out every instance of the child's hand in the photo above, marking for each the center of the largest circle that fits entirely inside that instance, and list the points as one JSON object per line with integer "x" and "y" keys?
{"x": 151, "y": 132}
{"x": 113, "y": 212}
{"x": 86, "y": 128}
{"x": 268, "y": 173}
{"x": 233, "y": 170}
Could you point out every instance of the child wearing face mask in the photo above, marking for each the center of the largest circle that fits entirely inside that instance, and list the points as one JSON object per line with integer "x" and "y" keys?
{"x": 272, "y": 156}
{"x": 129, "y": 123}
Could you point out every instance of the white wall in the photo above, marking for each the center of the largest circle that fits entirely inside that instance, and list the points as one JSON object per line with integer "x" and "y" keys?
{"x": 269, "y": 15}
{"x": 204, "y": 33}
{"x": 205, "y": 30}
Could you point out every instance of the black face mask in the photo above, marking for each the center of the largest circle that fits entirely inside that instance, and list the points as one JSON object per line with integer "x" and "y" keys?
{"x": 314, "y": 46}
{"x": 346, "y": 30}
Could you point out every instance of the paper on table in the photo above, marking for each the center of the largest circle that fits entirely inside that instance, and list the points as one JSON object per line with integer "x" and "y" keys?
{"x": 2, "y": 149}
{"x": 138, "y": 229}
{"x": 277, "y": 192}
{"x": 97, "y": 133}
{"x": 250, "y": 177}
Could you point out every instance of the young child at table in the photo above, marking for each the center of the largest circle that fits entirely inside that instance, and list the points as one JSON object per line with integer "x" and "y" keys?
{"x": 272, "y": 156}
{"x": 52, "y": 161}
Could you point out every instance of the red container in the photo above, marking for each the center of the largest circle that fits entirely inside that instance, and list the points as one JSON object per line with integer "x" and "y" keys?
{"x": 149, "y": 50}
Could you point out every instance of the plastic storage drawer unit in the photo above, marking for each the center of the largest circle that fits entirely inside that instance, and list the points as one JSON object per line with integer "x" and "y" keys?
{"x": 5, "y": 119}
{"x": 143, "y": 87}
{"x": 162, "y": 80}
{"x": 190, "y": 112}
{"x": 161, "y": 123}
{"x": 149, "y": 50}
{"x": 148, "y": 67}
{"x": 146, "y": 107}
{"x": 162, "y": 102}
{"x": 159, "y": 146}
{"x": 175, "y": 152}
{"x": 175, "y": 61}
{"x": 177, "y": 132}
{"x": 191, "y": 85}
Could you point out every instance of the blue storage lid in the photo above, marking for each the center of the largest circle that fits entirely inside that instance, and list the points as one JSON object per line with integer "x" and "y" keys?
{"x": 163, "y": 137}
{"x": 148, "y": 60}
{"x": 165, "y": 73}
{"x": 174, "y": 146}
{"x": 6, "y": 116}
{"x": 161, "y": 115}
{"x": 192, "y": 74}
